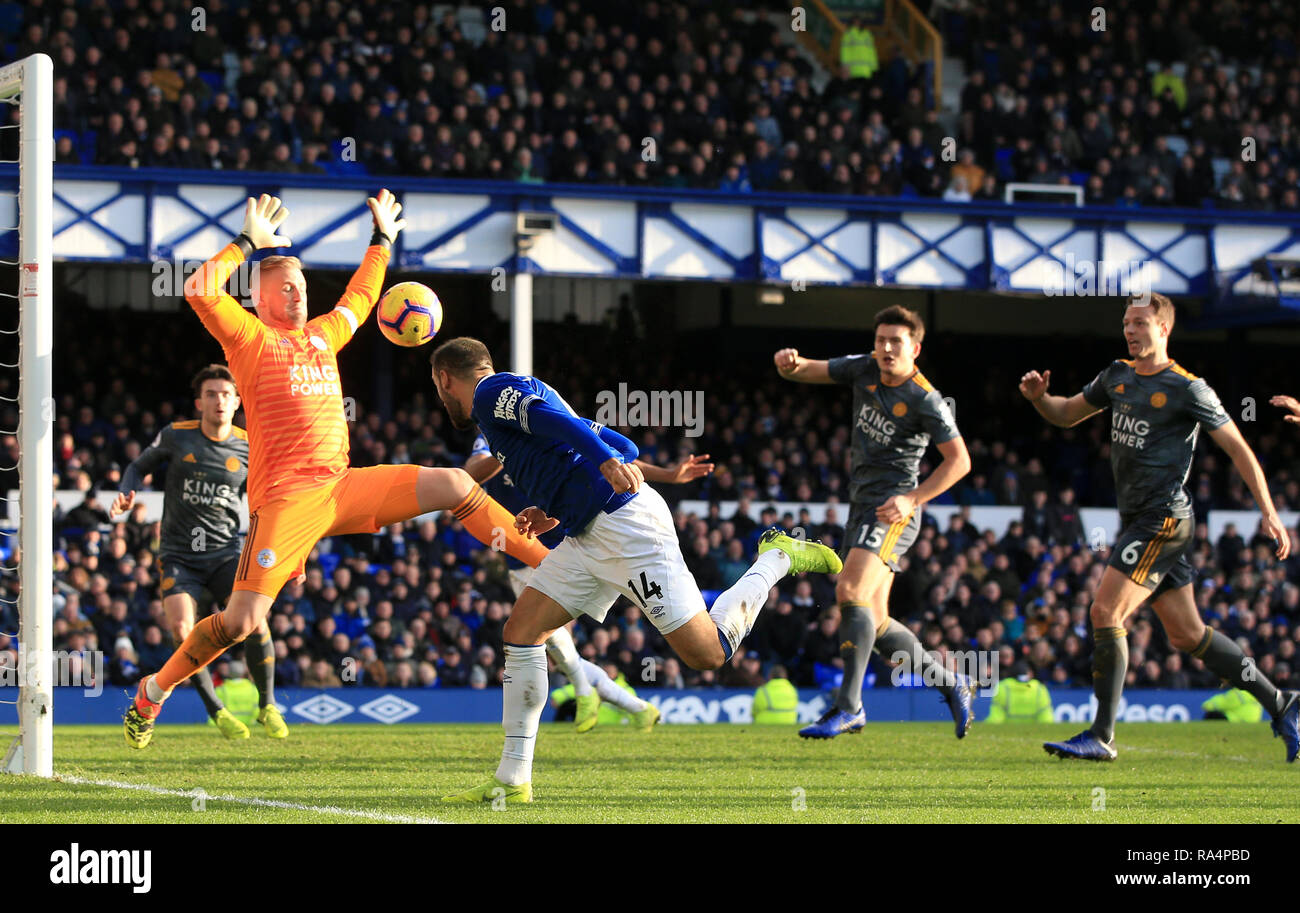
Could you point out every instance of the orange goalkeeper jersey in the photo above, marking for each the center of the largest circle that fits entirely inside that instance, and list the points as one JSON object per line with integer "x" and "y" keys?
{"x": 288, "y": 379}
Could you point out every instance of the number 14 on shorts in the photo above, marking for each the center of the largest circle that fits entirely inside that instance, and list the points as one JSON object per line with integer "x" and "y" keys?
{"x": 648, "y": 588}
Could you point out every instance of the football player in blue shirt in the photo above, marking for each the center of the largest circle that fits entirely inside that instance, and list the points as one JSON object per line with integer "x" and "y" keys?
{"x": 619, "y": 541}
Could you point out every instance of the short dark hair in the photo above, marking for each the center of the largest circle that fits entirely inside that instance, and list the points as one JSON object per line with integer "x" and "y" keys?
{"x": 899, "y": 316}
{"x": 212, "y": 372}
{"x": 461, "y": 357}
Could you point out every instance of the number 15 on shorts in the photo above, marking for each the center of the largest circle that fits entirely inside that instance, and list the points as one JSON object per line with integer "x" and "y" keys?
{"x": 874, "y": 539}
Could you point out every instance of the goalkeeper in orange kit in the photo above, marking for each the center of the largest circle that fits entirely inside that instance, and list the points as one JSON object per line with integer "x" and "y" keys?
{"x": 300, "y": 487}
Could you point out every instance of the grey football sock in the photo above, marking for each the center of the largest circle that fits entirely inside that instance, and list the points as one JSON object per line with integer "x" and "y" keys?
{"x": 202, "y": 681}
{"x": 1226, "y": 660}
{"x": 1109, "y": 666}
{"x": 898, "y": 638}
{"x": 857, "y": 636}
{"x": 260, "y": 659}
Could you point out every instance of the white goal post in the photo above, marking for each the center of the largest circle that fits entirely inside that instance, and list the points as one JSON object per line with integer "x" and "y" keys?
{"x": 32, "y": 81}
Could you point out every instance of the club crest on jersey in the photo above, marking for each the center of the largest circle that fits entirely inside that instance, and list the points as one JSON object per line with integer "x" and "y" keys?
{"x": 506, "y": 402}
{"x": 266, "y": 558}
{"x": 232, "y": 464}
{"x": 899, "y": 410}
{"x": 1158, "y": 399}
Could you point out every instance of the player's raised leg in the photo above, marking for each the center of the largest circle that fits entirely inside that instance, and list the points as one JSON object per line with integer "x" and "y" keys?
{"x": 178, "y": 608}
{"x": 735, "y": 611}
{"x": 484, "y": 519}
{"x": 1177, "y": 611}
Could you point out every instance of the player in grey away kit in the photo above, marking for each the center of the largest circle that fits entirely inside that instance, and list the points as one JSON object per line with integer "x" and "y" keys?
{"x": 207, "y": 473}
{"x": 1157, "y": 409}
{"x": 897, "y": 413}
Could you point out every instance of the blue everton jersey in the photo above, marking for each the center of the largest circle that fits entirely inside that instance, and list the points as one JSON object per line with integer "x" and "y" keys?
{"x": 507, "y": 494}
{"x": 552, "y": 455}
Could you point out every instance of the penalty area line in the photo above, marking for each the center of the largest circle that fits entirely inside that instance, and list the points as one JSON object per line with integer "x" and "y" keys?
{"x": 250, "y": 801}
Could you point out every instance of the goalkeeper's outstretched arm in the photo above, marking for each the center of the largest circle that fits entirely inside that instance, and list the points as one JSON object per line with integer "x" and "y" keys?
{"x": 221, "y": 314}
{"x": 366, "y": 283}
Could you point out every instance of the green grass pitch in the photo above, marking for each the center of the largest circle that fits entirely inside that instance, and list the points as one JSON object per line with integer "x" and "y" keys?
{"x": 905, "y": 772}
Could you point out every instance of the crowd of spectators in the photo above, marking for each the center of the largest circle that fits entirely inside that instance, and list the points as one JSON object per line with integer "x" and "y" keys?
{"x": 424, "y": 605}
{"x": 1161, "y": 106}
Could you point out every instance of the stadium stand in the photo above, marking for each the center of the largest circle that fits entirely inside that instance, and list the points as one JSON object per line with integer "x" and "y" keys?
{"x": 1154, "y": 117}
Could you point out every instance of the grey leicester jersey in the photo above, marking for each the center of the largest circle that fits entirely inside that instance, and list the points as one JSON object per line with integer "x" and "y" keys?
{"x": 892, "y": 426}
{"x": 205, "y": 479}
{"x": 1154, "y": 420}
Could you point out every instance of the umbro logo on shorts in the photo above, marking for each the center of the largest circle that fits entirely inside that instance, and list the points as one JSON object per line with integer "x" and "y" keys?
{"x": 266, "y": 557}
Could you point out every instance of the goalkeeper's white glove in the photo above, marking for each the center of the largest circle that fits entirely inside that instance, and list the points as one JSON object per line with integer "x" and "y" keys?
{"x": 386, "y": 209}
{"x": 262, "y": 218}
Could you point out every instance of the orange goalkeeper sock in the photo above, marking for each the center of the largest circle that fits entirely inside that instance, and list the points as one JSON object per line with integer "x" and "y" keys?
{"x": 494, "y": 526}
{"x": 206, "y": 641}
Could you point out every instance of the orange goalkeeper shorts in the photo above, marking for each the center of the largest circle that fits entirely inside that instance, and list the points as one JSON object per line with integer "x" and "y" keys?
{"x": 282, "y": 532}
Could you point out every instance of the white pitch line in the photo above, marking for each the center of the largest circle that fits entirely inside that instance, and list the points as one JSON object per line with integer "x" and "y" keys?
{"x": 247, "y": 800}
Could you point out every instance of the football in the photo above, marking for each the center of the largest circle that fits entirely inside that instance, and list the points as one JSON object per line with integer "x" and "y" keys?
{"x": 409, "y": 314}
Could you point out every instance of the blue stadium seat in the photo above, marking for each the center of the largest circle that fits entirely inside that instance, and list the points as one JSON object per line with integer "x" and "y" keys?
{"x": 1079, "y": 178}
{"x": 11, "y": 20}
{"x": 336, "y": 165}
{"x": 89, "y": 146}
{"x": 991, "y": 67}
{"x": 72, "y": 135}
{"x": 329, "y": 562}
{"x": 1002, "y": 164}
{"x": 216, "y": 81}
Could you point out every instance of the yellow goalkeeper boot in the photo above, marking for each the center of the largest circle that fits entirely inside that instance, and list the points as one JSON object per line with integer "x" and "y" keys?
{"x": 272, "y": 720}
{"x": 230, "y": 725}
{"x": 137, "y": 722}
{"x": 588, "y": 711}
{"x": 495, "y": 791}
